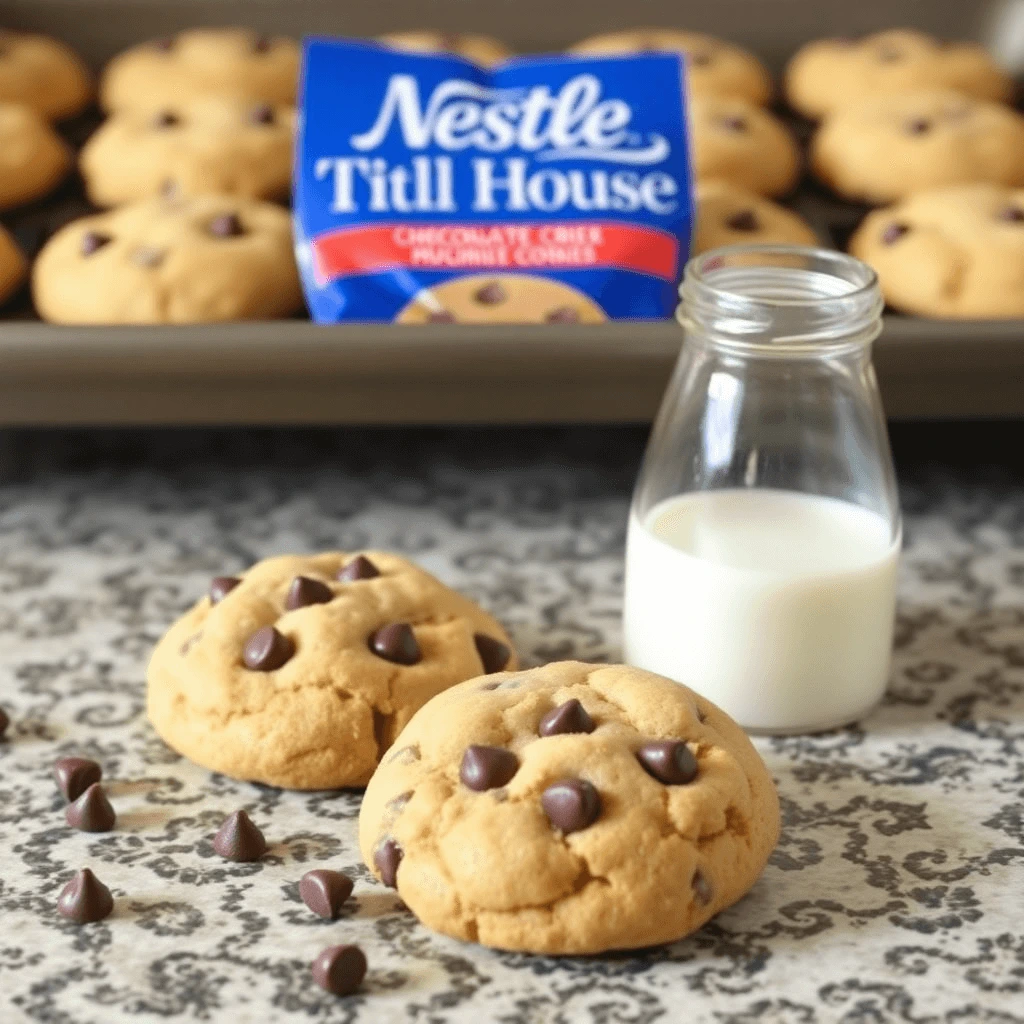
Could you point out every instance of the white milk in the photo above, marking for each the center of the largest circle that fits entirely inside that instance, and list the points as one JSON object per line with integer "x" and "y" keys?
{"x": 777, "y": 606}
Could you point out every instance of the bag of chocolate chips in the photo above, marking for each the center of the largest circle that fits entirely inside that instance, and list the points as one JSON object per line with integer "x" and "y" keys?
{"x": 551, "y": 189}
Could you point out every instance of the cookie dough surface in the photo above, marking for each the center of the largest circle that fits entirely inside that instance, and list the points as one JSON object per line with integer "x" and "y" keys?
{"x": 34, "y": 159}
{"x": 884, "y": 148}
{"x": 194, "y": 146}
{"x": 170, "y": 261}
{"x": 714, "y": 66}
{"x": 728, "y": 215}
{"x": 323, "y": 717}
{"x": 831, "y": 73}
{"x": 484, "y": 50}
{"x": 43, "y": 74}
{"x": 13, "y": 266}
{"x": 952, "y": 252}
{"x": 490, "y": 865}
{"x": 224, "y": 61}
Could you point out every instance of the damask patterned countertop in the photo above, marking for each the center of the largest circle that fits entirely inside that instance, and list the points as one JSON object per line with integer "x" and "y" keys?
{"x": 896, "y": 893}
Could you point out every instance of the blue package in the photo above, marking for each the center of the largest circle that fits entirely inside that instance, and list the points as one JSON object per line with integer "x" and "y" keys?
{"x": 428, "y": 189}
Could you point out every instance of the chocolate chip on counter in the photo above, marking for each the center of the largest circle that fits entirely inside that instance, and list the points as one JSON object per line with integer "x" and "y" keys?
{"x": 491, "y": 294}
{"x": 360, "y": 568}
{"x": 92, "y": 811}
{"x": 75, "y": 775}
{"x": 147, "y": 256}
{"x": 1011, "y": 214}
{"x": 227, "y": 225}
{"x": 166, "y": 119}
{"x": 5, "y": 721}
{"x": 221, "y": 586}
{"x": 441, "y": 316}
{"x": 305, "y": 591}
{"x": 262, "y": 44}
{"x": 396, "y": 642}
{"x": 386, "y": 859}
{"x": 568, "y": 717}
{"x": 324, "y": 892}
{"x": 93, "y": 241}
{"x": 701, "y": 888}
{"x": 487, "y": 767}
{"x": 493, "y": 653}
{"x": 745, "y": 220}
{"x": 571, "y": 804}
{"x": 668, "y": 761}
{"x": 262, "y": 114}
{"x": 266, "y": 650}
{"x": 340, "y": 969}
{"x": 85, "y": 899}
{"x": 734, "y": 124}
{"x": 563, "y": 315}
{"x": 919, "y": 126}
{"x": 893, "y": 233}
{"x": 239, "y": 839}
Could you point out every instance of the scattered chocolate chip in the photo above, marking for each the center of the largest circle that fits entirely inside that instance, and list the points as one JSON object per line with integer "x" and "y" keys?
{"x": 262, "y": 44}
{"x": 5, "y": 721}
{"x": 146, "y": 256}
{"x": 166, "y": 119}
{"x": 164, "y": 45}
{"x": 669, "y": 761}
{"x": 75, "y": 775}
{"x": 396, "y": 642}
{"x": 568, "y": 717}
{"x": 563, "y": 315}
{"x": 487, "y": 767}
{"x": 491, "y": 294}
{"x": 1011, "y": 214}
{"x": 360, "y": 568}
{"x": 700, "y": 58}
{"x": 889, "y": 55}
{"x": 340, "y": 969}
{"x": 227, "y": 225}
{"x": 745, "y": 220}
{"x": 91, "y": 812}
{"x": 266, "y": 650}
{"x": 919, "y": 126}
{"x": 386, "y": 859}
{"x": 701, "y": 888}
{"x": 262, "y": 114}
{"x": 304, "y": 591}
{"x": 221, "y": 586}
{"x": 239, "y": 839}
{"x": 93, "y": 241}
{"x": 85, "y": 899}
{"x": 325, "y": 891}
{"x": 734, "y": 124}
{"x": 493, "y": 653}
{"x": 571, "y": 804}
{"x": 441, "y": 316}
{"x": 893, "y": 233}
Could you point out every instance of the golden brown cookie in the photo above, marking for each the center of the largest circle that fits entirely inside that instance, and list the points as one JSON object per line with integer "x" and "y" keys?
{"x": 484, "y": 50}
{"x": 33, "y": 157}
{"x": 738, "y": 142}
{"x": 43, "y": 74}
{"x": 728, "y": 215}
{"x": 13, "y": 266}
{"x": 569, "y": 809}
{"x": 831, "y": 73}
{"x": 714, "y": 67}
{"x": 301, "y": 672}
{"x": 200, "y": 260}
{"x": 203, "y": 145}
{"x": 224, "y": 61}
{"x": 953, "y": 252}
{"x": 887, "y": 147}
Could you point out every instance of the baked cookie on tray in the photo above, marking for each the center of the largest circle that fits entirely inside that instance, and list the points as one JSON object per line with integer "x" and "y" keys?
{"x": 13, "y": 266}
{"x": 199, "y": 145}
{"x": 484, "y": 50}
{"x": 887, "y": 147}
{"x": 569, "y": 809}
{"x": 34, "y": 159}
{"x": 502, "y": 299}
{"x": 226, "y": 61}
{"x": 955, "y": 252}
{"x": 302, "y": 671}
{"x": 44, "y": 74}
{"x": 170, "y": 261}
{"x": 729, "y": 215}
{"x": 714, "y": 67}
{"x": 831, "y": 73}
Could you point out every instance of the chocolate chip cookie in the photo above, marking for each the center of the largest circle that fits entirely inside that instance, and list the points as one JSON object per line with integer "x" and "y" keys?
{"x": 44, "y": 74}
{"x": 502, "y": 299}
{"x": 832, "y": 73}
{"x": 13, "y": 266}
{"x": 484, "y": 50}
{"x": 33, "y": 157}
{"x": 196, "y": 146}
{"x": 300, "y": 672}
{"x": 728, "y": 215}
{"x": 713, "y": 66}
{"x": 200, "y": 260}
{"x": 223, "y": 61}
{"x": 884, "y": 148}
{"x": 569, "y": 809}
{"x": 953, "y": 252}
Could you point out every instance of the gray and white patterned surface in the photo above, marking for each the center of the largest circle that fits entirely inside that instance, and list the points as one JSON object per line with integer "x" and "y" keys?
{"x": 896, "y": 893}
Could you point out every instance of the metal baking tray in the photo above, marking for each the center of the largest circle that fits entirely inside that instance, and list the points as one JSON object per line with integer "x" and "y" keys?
{"x": 293, "y": 371}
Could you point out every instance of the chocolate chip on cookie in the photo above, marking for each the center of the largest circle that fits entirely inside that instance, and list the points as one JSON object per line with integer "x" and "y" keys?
{"x": 1012, "y": 214}
{"x": 166, "y": 119}
{"x": 221, "y": 586}
{"x": 396, "y": 642}
{"x": 745, "y": 220}
{"x": 734, "y": 124}
{"x": 227, "y": 225}
{"x": 93, "y": 241}
{"x": 262, "y": 44}
{"x": 893, "y": 233}
{"x": 569, "y": 717}
{"x": 701, "y": 888}
{"x": 563, "y": 315}
{"x": 668, "y": 761}
{"x": 163, "y": 45}
{"x": 493, "y": 653}
{"x": 305, "y": 591}
{"x": 147, "y": 256}
{"x": 491, "y": 294}
{"x": 267, "y": 650}
{"x": 360, "y": 568}
{"x": 486, "y": 768}
{"x": 919, "y": 126}
{"x": 571, "y": 805}
{"x": 441, "y": 316}
{"x": 386, "y": 859}
{"x": 262, "y": 114}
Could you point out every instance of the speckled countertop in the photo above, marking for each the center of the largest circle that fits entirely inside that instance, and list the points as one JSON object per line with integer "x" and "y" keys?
{"x": 896, "y": 893}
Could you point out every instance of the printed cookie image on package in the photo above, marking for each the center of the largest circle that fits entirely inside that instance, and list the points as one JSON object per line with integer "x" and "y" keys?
{"x": 552, "y": 189}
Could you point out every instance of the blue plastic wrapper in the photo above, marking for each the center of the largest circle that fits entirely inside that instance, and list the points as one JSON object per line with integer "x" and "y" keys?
{"x": 547, "y": 189}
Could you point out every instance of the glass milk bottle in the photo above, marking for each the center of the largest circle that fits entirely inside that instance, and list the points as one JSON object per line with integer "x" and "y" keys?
{"x": 765, "y": 528}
